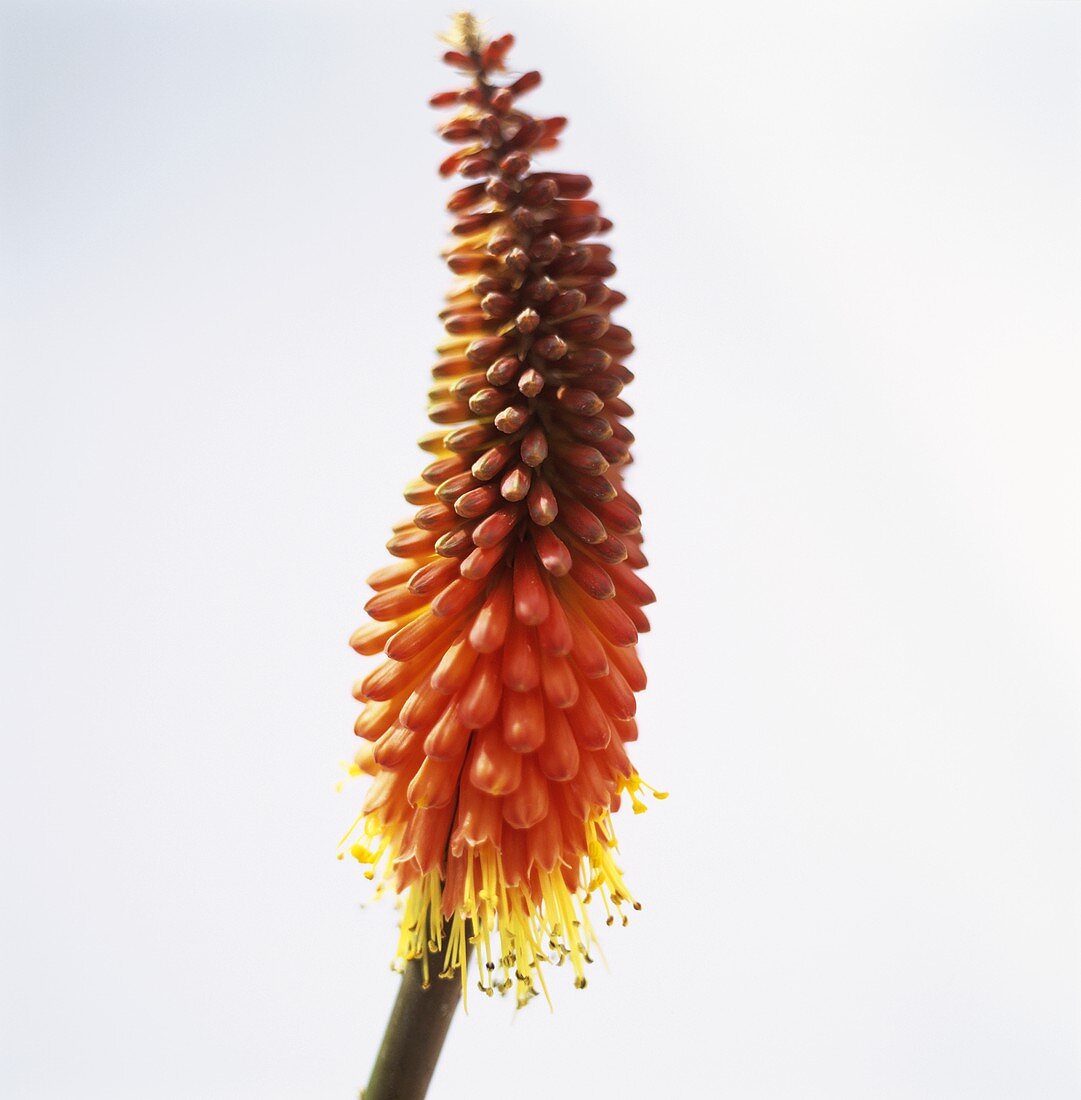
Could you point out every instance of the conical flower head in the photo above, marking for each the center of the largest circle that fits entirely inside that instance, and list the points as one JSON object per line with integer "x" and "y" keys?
{"x": 498, "y": 725}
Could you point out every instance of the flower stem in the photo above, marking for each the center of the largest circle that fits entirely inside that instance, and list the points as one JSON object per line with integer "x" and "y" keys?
{"x": 418, "y": 1025}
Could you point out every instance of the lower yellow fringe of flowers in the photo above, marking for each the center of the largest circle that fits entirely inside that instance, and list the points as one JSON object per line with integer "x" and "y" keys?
{"x": 515, "y": 937}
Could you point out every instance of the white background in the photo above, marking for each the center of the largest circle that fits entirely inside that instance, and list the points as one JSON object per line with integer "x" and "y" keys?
{"x": 851, "y": 236}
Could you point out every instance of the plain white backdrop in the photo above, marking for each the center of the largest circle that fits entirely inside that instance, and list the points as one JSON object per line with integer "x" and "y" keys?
{"x": 851, "y": 237}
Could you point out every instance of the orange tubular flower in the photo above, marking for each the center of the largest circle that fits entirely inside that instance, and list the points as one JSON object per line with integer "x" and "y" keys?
{"x": 499, "y": 724}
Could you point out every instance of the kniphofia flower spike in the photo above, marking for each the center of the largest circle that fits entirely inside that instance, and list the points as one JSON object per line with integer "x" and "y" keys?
{"x": 498, "y": 726}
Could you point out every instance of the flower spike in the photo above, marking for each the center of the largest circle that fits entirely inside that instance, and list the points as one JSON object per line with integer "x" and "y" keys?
{"x": 497, "y": 729}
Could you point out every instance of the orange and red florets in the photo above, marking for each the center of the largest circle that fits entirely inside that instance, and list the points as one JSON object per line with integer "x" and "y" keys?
{"x": 498, "y": 725}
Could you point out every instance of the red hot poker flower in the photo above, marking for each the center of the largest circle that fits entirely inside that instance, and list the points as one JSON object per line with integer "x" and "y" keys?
{"x": 499, "y": 723}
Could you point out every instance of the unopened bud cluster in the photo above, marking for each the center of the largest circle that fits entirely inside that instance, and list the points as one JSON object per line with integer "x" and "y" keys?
{"x": 499, "y": 722}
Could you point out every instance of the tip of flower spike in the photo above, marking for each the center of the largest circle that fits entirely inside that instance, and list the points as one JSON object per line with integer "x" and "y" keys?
{"x": 465, "y": 32}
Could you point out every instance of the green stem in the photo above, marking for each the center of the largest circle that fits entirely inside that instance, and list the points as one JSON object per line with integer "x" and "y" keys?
{"x": 418, "y": 1024}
